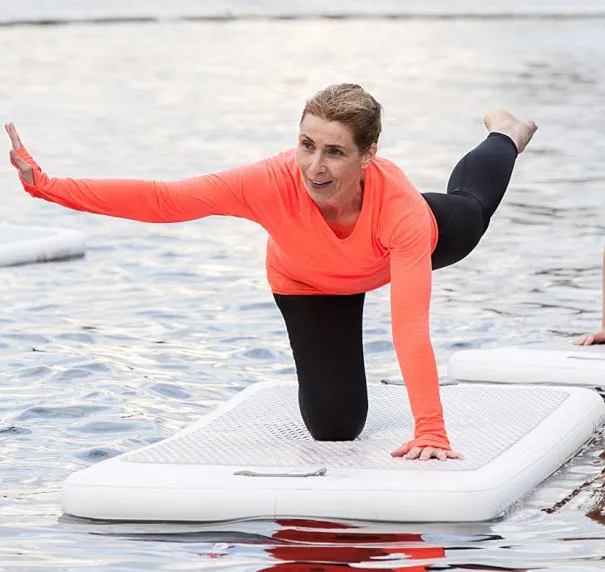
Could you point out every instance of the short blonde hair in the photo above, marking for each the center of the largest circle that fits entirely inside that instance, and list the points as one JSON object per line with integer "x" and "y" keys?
{"x": 351, "y": 105}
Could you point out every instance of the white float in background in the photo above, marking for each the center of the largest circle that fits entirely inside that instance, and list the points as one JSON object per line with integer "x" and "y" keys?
{"x": 555, "y": 363}
{"x": 252, "y": 457}
{"x": 20, "y": 244}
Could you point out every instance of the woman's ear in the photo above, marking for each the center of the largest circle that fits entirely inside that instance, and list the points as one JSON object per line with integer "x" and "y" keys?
{"x": 368, "y": 156}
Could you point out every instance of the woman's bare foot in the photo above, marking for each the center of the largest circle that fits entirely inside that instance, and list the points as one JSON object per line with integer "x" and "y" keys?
{"x": 501, "y": 121}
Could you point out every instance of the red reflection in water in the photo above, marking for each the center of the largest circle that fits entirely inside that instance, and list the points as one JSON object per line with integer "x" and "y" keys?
{"x": 306, "y": 523}
{"x": 295, "y": 567}
{"x": 308, "y": 557}
{"x": 325, "y": 537}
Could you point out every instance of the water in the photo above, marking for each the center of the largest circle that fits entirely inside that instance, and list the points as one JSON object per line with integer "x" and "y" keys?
{"x": 60, "y": 10}
{"x": 159, "y": 324}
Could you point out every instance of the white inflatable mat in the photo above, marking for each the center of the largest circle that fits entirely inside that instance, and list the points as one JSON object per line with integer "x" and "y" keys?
{"x": 26, "y": 244}
{"x": 253, "y": 457}
{"x": 556, "y": 363}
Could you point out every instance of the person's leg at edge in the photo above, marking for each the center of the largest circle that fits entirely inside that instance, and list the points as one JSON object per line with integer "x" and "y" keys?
{"x": 325, "y": 334}
{"x": 476, "y": 187}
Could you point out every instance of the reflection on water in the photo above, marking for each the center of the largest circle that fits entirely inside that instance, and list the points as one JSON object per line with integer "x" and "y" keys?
{"x": 295, "y": 544}
{"x": 159, "y": 324}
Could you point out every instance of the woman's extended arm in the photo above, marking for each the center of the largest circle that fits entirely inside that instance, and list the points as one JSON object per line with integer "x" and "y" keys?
{"x": 148, "y": 201}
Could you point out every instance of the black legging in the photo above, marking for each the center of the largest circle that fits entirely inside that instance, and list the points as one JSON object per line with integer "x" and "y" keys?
{"x": 325, "y": 331}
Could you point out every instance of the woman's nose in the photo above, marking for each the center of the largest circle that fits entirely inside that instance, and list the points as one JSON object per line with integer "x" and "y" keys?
{"x": 317, "y": 164}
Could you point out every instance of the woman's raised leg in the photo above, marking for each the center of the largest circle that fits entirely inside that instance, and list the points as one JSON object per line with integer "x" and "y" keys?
{"x": 476, "y": 187}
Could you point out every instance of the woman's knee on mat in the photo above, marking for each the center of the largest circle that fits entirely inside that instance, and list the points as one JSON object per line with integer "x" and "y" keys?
{"x": 336, "y": 429}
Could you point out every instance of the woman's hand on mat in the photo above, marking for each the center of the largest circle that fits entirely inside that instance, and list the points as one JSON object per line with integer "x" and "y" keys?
{"x": 26, "y": 171}
{"x": 590, "y": 339}
{"x": 425, "y": 453}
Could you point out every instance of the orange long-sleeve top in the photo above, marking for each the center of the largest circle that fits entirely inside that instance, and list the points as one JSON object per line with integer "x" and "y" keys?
{"x": 392, "y": 242}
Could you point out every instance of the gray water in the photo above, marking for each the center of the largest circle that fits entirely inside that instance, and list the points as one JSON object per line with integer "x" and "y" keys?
{"x": 52, "y": 10}
{"x": 159, "y": 324}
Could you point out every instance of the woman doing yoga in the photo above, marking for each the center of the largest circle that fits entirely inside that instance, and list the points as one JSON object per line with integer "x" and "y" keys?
{"x": 341, "y": 222}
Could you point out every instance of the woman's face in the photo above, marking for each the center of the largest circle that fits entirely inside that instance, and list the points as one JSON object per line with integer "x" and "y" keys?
{"x": 329, "y": 160}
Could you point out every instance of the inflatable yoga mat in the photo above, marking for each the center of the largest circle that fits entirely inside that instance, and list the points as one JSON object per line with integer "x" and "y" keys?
{"x": 557, "y": 363}
{"x": 253, "y": 458}
{"x": 27, "y": 244}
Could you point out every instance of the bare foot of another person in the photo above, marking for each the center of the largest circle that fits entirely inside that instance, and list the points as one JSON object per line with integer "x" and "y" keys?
{"x": 590, "y": 339}
{"x": 501, "y": 121}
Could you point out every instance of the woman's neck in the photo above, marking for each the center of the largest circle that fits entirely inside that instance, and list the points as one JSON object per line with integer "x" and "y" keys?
{"x": 342, "y": 205}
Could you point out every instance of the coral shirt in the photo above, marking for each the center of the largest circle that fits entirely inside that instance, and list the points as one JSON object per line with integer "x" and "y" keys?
{"x": 392, "y": 242}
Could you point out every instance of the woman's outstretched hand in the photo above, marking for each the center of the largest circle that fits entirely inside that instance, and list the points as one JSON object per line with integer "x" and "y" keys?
{"x": 590, "y": 339}
{"x": 425, "y": 453}
{"x": 26, "y": 171}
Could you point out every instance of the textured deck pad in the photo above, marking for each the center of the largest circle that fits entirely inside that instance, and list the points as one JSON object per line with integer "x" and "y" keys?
{"x": 248, "y": 458}
{"x": 559, "y": 363}
{"x": 28, "y": 244}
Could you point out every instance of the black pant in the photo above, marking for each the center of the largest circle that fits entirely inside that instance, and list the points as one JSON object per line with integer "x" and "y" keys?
{"x": 325, "y": 331}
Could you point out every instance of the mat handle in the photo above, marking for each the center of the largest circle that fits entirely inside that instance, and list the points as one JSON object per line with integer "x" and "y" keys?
{"x": 588, "y": 358}
{"x": 317, "y": 473}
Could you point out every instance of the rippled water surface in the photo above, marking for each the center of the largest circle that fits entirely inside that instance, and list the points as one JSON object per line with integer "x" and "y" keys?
{"x": 53, "y": 10}
{"x": 159, "y": 324}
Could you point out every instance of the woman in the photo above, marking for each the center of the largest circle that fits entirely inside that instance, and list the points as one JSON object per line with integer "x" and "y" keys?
{"x": 341, "y": 222}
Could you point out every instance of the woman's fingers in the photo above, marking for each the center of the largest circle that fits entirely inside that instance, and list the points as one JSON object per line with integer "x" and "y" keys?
{"x": 400, "y": 451}
{"x": 413, "y": 453}
{"x": 426, "y": 453}
{"x": 431, "y": 452}
{"x": 14, "y": 136}
{"x": 26, "y": 171}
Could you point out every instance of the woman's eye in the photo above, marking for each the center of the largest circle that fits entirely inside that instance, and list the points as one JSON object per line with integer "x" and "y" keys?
{"x": 307, "y": 144}
{"x": 335, "y": 152}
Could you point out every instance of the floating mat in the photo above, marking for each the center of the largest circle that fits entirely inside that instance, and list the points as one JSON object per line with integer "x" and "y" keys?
{"x": 252, "y": 457}
{"x": 26, "y": 244}
{"x": 558, "y": 363}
